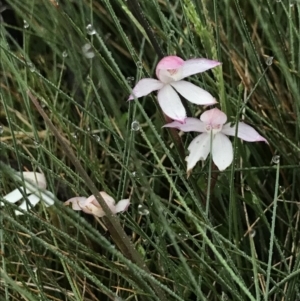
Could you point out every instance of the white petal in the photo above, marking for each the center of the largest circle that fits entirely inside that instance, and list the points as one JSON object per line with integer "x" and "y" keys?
{"x": 144, "y": 87}
{"x": 35, "y": 178}
{"x": 170, "y": 103}
{"x": 245, "y": 132}
{"x": 14, "y": 196}
{"x": 77, "y": 202}
{"x": 193, "y": 93}
{"x": 222, "y": 152}
{"x": 214, "y": 116}
{"x": 91, "y": 200}
{"x": 92, "y": 206}
{"x": 110, "y": 201}
{"x": 31, "y": 201}
{"x": 122, "y": 205}
{"x": 93, "y": 209}
{"x": 32, "y": 181}
{"x": 31, "y": 186}
{"x": 190, "y": 125}
{"x": 47, "y": 196}
{"x": 194, "y": 66}
{"x": 199, "y": 150}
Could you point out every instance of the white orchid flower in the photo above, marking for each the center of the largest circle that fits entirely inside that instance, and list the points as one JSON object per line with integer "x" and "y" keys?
{"x": 35, "y": 187}
{"x": 170, "y": 71}
{"x": 91, "y": 206}
{"x": 212, "y": 125}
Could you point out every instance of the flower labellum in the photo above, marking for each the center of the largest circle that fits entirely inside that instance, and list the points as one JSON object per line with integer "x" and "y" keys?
{"x": 91, "y": 206}
{"x": 35, "y": 187}
{"x": 170, "y": 71}
{"x": 212, "y": 126}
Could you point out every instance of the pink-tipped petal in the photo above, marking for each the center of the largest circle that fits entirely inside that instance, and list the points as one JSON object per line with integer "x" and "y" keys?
{"x": 245, "y": 132}
{"x": 190, "y": 125}
{"x": 213, "y": 117}
{"x": 222, "y": 152}
{"x": 170, "y": 103}
{"x": 122, "y": 205}
{"x": 31, "y": 201}
{"x": 110, "y": 201}
{"x": 194, "y": 66}
{"x": 170, "y": 62}
{"x": 77, "y": 202}
{"x": 169, "y": 69}
{"x": 144, "y": 87}
{"x": 92, "y": 206}
{"x": 91, "y": 199}
{"x": 94, "y": 210}
{"x": 199, "y": 150}
{"x": 193, "y": 93}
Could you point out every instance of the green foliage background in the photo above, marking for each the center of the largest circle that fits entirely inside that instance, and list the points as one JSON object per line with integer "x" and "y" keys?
{"x": 231, "y": 235}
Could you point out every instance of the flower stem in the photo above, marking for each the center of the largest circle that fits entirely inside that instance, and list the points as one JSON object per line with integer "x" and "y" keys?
{"x": 139, "y": 14}
{"x": 112, "y": 222}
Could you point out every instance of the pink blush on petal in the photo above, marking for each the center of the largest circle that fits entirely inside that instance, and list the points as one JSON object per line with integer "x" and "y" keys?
{"x": 170, "y": 63}
{"x": 182, "y": 121}
{"x": 213, "y": 117}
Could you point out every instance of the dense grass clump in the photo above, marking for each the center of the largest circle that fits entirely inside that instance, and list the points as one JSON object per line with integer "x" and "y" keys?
{"x": 66, "y": 72}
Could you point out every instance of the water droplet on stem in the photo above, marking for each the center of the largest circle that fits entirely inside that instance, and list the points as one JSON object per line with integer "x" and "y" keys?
{"x": 25, "y": 24}
{"x": 247, "y": 188}
{"x": 171, "y": 33}
{"x": 90, "y": 29}
{"x": 269, "y": 60}
{"x": 183, "y": 235}
{"x": 130, "y": 80}
{"x": 97, "y": 138}
{"x": 31, "y": 66}
{"x": 276, "y": 159}
{"x": 252, "y": 233}
{"x": 135, "y": 126}
{"x": 36, "y": 144}
{"x": 87, "y": 51}
{"x": 224, "y": 297}
{"x": 143, "y": 210}
{"x": 139, "y": 64}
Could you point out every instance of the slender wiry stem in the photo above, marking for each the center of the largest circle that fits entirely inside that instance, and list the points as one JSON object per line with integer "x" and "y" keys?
{"x": 139, "y": 14}
{"x": 112, "y": 223}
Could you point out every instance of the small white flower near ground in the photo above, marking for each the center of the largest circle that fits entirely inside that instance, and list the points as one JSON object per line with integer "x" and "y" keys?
{"x": 34, "y": 187}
